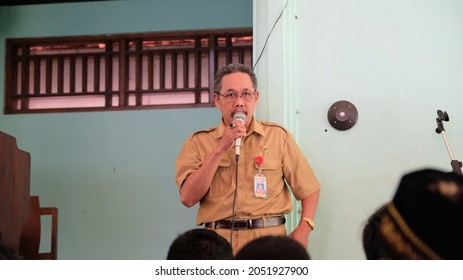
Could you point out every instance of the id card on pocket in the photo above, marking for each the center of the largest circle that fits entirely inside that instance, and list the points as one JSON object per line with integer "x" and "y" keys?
{"x": 260, "y": 186}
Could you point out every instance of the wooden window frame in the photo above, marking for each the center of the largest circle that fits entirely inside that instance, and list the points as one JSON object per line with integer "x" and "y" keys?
{"x": 54, "y": 75}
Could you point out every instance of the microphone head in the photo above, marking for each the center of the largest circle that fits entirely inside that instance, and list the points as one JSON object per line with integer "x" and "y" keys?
{"x": 240, "y": 116}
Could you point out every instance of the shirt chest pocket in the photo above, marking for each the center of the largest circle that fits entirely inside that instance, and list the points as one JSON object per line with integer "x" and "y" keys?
{"x": 222, "y": 181}
{"x": 272, "y": 171}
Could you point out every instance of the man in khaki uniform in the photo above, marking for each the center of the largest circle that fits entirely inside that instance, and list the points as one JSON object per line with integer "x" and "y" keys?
{"x": 244, "y": 196}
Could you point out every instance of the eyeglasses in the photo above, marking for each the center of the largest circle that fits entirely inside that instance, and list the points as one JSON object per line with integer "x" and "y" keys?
{"x": 231, "y": 96}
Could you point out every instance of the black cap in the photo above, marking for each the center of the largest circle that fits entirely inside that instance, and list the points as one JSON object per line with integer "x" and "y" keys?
{"x": 430, "y": 204}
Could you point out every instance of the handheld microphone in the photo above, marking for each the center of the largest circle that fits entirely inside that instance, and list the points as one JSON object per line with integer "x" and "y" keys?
{"x": 239, "y": 116}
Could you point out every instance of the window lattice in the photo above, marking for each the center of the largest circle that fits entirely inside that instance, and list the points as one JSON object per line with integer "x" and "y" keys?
{"x": 113, "y": 72}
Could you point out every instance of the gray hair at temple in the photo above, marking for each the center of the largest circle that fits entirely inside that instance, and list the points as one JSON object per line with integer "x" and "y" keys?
{"x": 230, "y": 69}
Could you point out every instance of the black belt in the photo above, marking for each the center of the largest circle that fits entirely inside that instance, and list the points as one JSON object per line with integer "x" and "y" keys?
{"x": 247, "y": 224}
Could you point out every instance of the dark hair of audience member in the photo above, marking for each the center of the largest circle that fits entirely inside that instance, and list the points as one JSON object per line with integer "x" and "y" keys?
{"x": 273, "y": 248}
{"x": 200, "y": 244}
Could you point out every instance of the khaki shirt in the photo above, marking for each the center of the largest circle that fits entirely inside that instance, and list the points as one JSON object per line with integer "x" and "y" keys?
{"x": 283, "y": 160}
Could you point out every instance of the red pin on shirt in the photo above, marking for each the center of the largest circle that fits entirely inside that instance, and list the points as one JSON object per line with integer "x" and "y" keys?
{"x": 259, "y": 160}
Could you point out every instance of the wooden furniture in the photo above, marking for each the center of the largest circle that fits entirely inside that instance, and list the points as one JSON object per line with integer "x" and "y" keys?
{"x": 31, "y": 233}
{"x": 20, "y": 213}
{"x": 14, "y": 190}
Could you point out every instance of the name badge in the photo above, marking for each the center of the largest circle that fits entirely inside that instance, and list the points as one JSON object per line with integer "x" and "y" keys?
{"x": 260, "y": 186}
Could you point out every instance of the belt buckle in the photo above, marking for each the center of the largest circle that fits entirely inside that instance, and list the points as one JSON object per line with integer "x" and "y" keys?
{"x": 240, "y": 224}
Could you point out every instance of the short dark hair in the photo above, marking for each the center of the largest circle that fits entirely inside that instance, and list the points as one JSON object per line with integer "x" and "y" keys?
{"x": 272, "y": 247}
{"x": 233, "y": 68}
{"x": 200, "y": 244}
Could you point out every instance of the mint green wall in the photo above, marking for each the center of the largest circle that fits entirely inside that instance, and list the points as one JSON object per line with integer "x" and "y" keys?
{"x": 111, "y": 174}
{"x": 398, "y": 61}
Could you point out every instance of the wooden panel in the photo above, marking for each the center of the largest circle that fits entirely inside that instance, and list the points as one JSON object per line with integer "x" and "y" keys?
{"x": 29, "y": 244}
{"x": 14, "y": 190}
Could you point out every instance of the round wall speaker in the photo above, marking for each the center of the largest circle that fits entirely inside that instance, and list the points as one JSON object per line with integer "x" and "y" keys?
{"x": 342, "y": 115}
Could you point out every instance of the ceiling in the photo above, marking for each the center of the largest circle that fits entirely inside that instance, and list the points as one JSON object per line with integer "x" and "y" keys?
{"x": 36, "y": 2}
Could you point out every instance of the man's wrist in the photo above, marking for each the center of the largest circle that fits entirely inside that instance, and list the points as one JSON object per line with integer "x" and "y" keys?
{"x": 309, "y": 221}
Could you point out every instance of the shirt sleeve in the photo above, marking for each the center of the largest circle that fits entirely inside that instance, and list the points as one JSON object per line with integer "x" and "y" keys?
{"x": 188, "y": 161}
{"x": 297, "y": 171}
